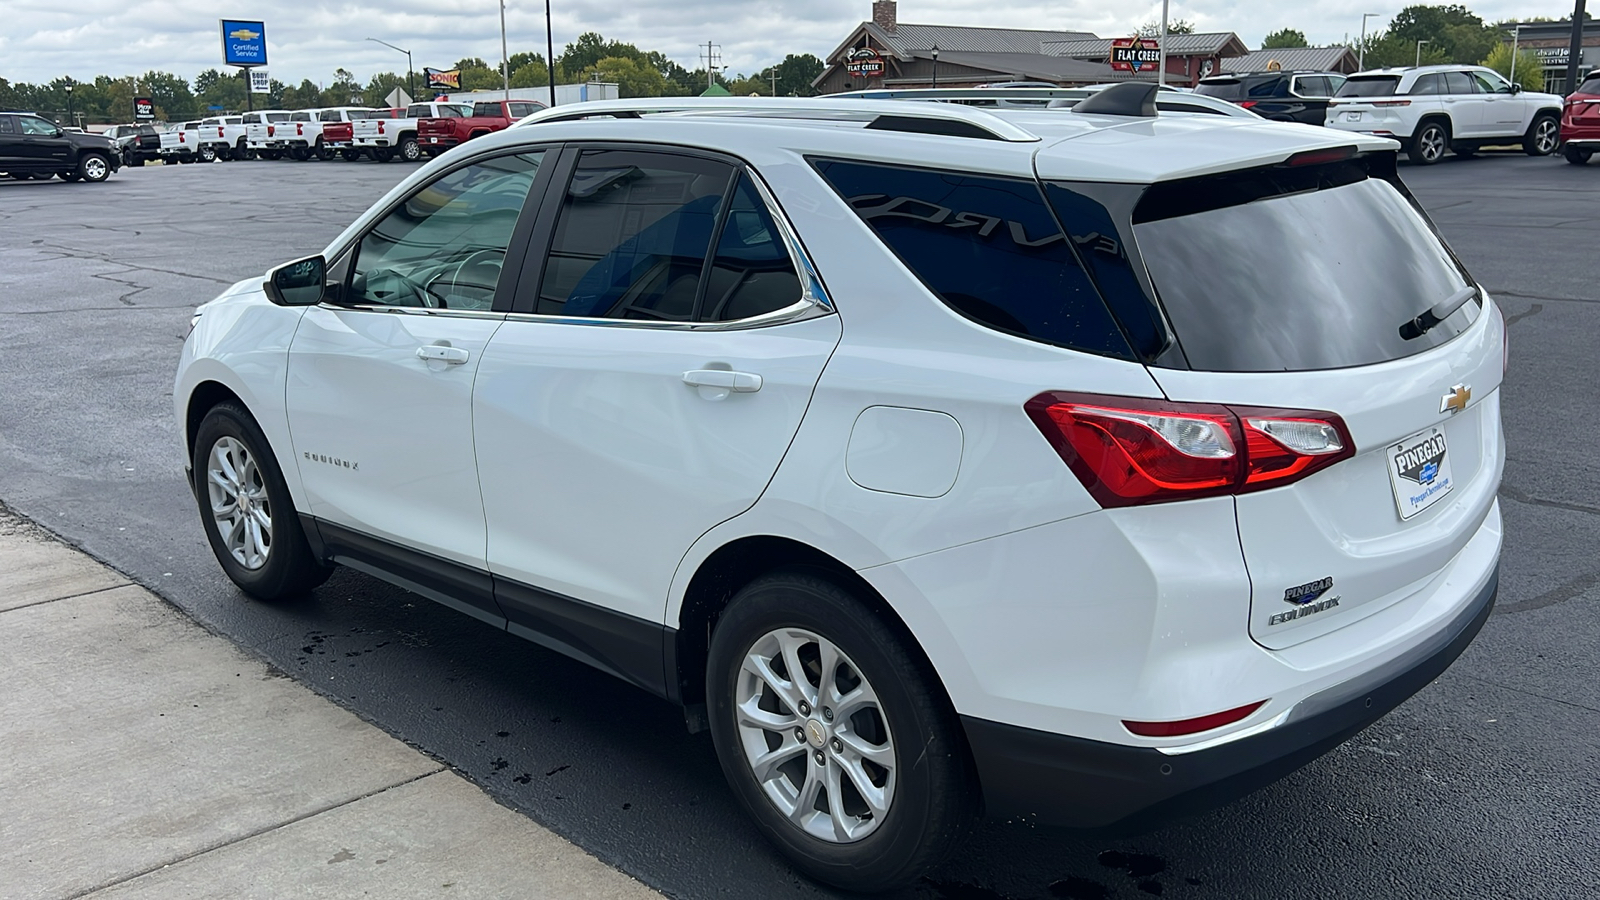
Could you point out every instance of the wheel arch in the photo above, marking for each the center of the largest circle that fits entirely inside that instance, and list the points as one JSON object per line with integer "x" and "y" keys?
{"x": 1439, "y": 116}
{"x": 205, "y": 396}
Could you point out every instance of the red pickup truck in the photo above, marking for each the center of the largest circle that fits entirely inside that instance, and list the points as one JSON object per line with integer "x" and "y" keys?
{"x": 438, "y": 135}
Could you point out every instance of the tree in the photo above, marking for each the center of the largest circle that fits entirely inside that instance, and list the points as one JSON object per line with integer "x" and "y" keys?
{"x": 171, "y": 94}
{"x": 633, "y": 77}
{"x": 1284, "y": 39}
{"x": 8, "y": 95}
{"x": 303, "y": 96}
{"x": 1388, "y": 49}
{"x": 1174, "y": 26}
{"x": 1457, "y": 33}
{"x": 1529, "y": 67}
{"x": 379, "y": 87}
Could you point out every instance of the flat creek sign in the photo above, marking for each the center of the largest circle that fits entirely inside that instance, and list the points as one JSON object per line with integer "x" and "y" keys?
{"x": 864, "y": 63}
{"x": 1135, "y": 54}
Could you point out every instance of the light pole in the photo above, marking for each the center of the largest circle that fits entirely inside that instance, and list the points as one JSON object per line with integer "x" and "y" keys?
{"x": 1361, "y": 49}
{"x": 935, "y": 53}
{"x": 1419, "y": 49}
{"x": 411, "y": 86}
{"x": 69, "y": 102}
{"x": 505, "y": 62}
{"x": 550, "y": 48}
{"x": 1161, "y": 51}
{"x": 1516, "y": 38}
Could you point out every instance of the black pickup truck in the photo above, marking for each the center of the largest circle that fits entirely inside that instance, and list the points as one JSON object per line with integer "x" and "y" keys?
{"x": 1282, "y": 96}
{"x": 34, "y": 147}
{"x": 138, "y": 144}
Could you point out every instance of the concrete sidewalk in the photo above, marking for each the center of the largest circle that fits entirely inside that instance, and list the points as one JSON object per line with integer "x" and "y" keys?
{"x": 143, "y": 757}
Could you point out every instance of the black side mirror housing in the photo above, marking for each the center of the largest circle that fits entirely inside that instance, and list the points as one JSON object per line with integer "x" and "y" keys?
{"x": 303, "y": 282}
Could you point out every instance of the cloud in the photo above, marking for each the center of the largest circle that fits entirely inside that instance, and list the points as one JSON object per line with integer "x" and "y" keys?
{"x": 46, "y": 39}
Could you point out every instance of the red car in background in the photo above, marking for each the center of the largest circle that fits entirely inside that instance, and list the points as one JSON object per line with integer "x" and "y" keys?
{"x": 1580, "y": 121}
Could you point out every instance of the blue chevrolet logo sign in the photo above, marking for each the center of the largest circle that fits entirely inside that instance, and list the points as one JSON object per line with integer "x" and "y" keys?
{"x": 244, "y": 43}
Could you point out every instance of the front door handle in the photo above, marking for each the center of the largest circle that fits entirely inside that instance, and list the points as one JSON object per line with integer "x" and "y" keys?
{"x": 738, "y": 382}
{"x": 454, "y": 356}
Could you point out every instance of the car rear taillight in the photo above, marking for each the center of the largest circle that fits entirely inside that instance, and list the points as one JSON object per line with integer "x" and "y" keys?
{"x": 1130, "y": 451}
{"x": 1192, "y": 726}
{"x": 299, "y": 128}
{"x": 1391, "y": 103}
{"x": 271, "y": 130}
{"x": 1248, "y": 103}
{"x": 182, "y": 138}
{"x": 380, "y": 126}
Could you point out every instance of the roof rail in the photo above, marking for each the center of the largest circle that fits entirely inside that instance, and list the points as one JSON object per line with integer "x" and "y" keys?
{"x": 920, "y": 118}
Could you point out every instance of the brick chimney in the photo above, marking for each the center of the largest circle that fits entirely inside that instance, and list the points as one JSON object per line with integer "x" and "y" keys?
{"x": 884, "y": 15}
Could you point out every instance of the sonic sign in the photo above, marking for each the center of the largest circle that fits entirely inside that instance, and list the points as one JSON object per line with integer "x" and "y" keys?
{"x": 1135, "y": 54}
{"x": 244, "y": 44}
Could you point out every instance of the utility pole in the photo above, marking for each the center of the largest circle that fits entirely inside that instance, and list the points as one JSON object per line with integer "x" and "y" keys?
{"x": 550, "y": 49}
{"x": 1361, "y": 49}
{"x": 1161, "y": 52}
{"x": 712, "y": 58}
{"x": 1575, "y": 47}
{"x": 505, "y": 61}
{"x": 774, "y": 73}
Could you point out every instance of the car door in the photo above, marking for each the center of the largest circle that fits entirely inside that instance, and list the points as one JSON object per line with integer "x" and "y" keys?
{"x": 1505, "y": 113}
{"x": 1464, "y": 104}
{"x": 641, "y": 393}
{"x": 43, "y": 144}
{"x": 380, "y": 379}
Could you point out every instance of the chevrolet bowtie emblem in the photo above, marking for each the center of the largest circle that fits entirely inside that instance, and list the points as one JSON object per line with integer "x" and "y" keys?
{"x": 1456, "y": 400}
{"x": 244, "y": 34}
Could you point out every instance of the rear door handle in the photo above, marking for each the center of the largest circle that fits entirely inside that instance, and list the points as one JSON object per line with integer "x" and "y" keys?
{"x": 454, "y": 356}
{"x": 738, "y": 382}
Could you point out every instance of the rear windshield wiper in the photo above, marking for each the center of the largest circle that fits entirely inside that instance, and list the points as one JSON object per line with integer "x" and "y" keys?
{"x": 1437, "y": 313}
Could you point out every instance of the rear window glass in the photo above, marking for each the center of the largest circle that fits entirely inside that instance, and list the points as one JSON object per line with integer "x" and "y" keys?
{"x": 1269, "y": 87}
{"x": 485, "y": 110}
{"x": 277, "y": 117}
{"x": 988, "y": 247}
{"x": 518, "y": 110}
{"x": 1222, "y": 88}
{"x": 1284, "y": 270}
{"x": 1591, "y": 85}
{"x": 300, "y": 117}
{"x": 1369, "y": 86}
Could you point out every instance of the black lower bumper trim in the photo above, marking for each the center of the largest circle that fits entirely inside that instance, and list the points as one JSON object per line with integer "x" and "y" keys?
{"x": 1054, "y": 779}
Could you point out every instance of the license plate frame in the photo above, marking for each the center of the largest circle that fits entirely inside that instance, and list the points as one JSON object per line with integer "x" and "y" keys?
{"x": 1419, "y": 471}
{"x": 1352, "y": 115}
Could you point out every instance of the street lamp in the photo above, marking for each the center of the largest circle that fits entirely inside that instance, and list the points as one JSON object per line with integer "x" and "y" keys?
{"x": 1516, "y": 37}
{"x": 411, "y": 86}
{"x": 1419, "y": 49}
{"x": 69, "y": 102}
{"x": 1361, "y": 49}
{"x": 935, "y": 53}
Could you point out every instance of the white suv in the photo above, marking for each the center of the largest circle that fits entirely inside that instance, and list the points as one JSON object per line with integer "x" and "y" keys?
{"x": 1079, "y": 466}
{"x": 1431, "y": 109}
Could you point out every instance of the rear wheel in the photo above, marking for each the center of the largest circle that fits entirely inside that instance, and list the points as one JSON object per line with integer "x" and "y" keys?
{"x": 272, "y": 154}
{"x": 833, "y": 735}
{"x": 382, "y": 154}
{"x": 1428, "y": 144}
{"x": 246, "y": 511}
{"x": 350, "y": 155}
{"x": 410, "y": 150}
{"x": 1578, "y": 156}
{"x": 1544, "y": 135}
{"x": 323, "y": 153}
{"x": 208, "y": 154}
{"x": 300, "y": 154}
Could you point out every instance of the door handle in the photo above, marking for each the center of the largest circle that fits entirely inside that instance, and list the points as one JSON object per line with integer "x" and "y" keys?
{"x": 738, "y": 382}
{"x": 454, "y": 356}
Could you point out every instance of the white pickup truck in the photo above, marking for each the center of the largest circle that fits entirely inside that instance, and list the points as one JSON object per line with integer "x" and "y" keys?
{"x": 260, "y": 132}
{"x": 181, "y": 143}
{"x": 386, "y": 133}
{"x": 223, "y": 137}
{"x": 322, "y": 133}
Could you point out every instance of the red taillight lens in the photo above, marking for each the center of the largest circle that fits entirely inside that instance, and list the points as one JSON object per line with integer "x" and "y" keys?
{"x": 299, "y": 128}
{"x": 1191, "y": 726}
{"x": 1248, "y": 103}
{"x": 1391, "y": 103}
{"x": 271, "y": 129}
{"x": 380, "y": 126}
{"x": 1131, "y": 451}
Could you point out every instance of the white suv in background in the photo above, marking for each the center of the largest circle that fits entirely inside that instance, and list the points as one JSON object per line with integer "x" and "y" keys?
{"x": 1431, "y": 109}
{"x": 939, "y": 460}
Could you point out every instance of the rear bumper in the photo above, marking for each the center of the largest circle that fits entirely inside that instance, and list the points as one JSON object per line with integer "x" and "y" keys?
{"x": 1056, "y": 779}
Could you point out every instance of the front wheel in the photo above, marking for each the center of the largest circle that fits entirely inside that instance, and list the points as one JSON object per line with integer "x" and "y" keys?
{"x": 246, "y": 511}
{"x": 1544, "y": 135}
{"x": 94, "y": 167}
{"x": 1578, "y": 156}
{"x": 834, "y": 736}
{"x": 1428, "y": 144}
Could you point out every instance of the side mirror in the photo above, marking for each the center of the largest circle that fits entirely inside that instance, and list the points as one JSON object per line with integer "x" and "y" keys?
{"x": 1516, "y": 87}
{"x": 299, "y": 283}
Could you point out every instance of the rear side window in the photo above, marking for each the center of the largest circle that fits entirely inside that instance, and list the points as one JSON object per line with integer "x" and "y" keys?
{"x": 1268, "y": 87}
{"x": 988, "y": 247}
{"x": 1427, "y": 84}
{"x": 751, "y": 273}
{"x": 1591, "y": 85}
{"x": 1222, "y": 88}
{"x": 1287, "y": 269}
{"x": 518, "y": 110}
{"x": 8, "y": 124}
{"x": 1369, "y": 86}
{"x": 485, "y": 110}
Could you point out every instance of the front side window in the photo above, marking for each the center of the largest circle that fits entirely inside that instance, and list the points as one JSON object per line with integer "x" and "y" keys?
{"x": 988, "y": 247}
{"x": 443, "y": 247}
{"x": 632, "y": 236}
{"x": 1490, "y": 83}
{"x": 36, "y": 126}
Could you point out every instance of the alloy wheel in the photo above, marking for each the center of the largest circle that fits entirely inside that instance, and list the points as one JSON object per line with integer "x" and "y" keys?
{"x": 814, "y": 735}
{"x": 240, "y": 508}
{"x": 1546, "y": 135}
{"x": 1432, "y": 143}
{"x": 95, "y": 168}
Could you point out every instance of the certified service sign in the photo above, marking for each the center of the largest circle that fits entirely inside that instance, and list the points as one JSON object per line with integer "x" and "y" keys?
{"x": 244, "y": 43}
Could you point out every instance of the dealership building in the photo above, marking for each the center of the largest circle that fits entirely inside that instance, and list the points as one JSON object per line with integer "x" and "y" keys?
{"x": 887, "y": 53}
{"x": 1552, "y": 43}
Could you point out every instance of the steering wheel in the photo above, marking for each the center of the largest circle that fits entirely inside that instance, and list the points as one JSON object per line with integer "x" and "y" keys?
{"x": 421, "y": 294}
{"x": 489, "y": 259}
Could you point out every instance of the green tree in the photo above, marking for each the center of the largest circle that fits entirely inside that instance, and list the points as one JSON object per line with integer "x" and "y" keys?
{"x": 1388, "y": 49}
{"x": 171, "y": 94}
{"x": 1284, "y": 39}
{"x": 8, "y": 95}
{"x": 213, "y": 88}
{"x": 380, "y": 85}
{"x": 532, "y": 74}
{"x": 1456, "y": 32}
{"x": 1529, "y": 67}
{"x": 633, "y": 77}
{"x": 305, "y": 95}
{"x": 1174, "y": 26}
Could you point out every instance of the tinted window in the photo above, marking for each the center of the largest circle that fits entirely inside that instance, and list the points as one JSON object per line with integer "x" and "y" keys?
{"x": 1591, "y": 85}
{"x": 234, "y": 121}
{"x": 1275, "y": 86}
{"x": 278, "y": 117}
{"x": 1188, "y": 108}
{"x": 252, "y": 119}
{"x": 752, "y": 272}
{"x": 443, "y": 247}
{"x": 988, "y": 247}
{"x": 147, "y": 129}
{"x": 1314, "y": 86}
{"x": 329, "y": 115}
{"x": 518, "y": 110}
{"x": 1222, "y": 88}
{"x": 1490, "y": 83}
{"x": 1427, "y": 84}
{"x": 485, "y": 110}
{"x": 1299, "y": 279}
{"x": 632, "y": 237}
{"x": 300, "y": 117}
{"x": 1459, "y": 83}
{"x": 1369, "y": 86}
{"x": 8, "y": 124}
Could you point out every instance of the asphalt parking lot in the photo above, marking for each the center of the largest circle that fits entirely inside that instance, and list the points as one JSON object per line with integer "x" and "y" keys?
{"x": 1482, "y": 785}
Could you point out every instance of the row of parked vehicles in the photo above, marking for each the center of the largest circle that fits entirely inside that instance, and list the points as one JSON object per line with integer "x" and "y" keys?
{"x": 1430, "y": 110}
{"x": 408, "y": 133}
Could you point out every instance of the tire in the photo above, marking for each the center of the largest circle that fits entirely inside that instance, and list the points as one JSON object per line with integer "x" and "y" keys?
{"x": 381, "y": 154}
{"x": 928, "y": 800}
{"x": 283, "y": 566}
{"x": 272, "y": 154}
{"x": 299, "y": 154}
{"x": 351, "y": 155}
{"x": 1578, "y": 156}
{"x": 207, "y": 154}
{"x": 1427, "y": 146}
{"x": 44, "y": 176}
{"x": 322, "y": 153}
{"x": 242, "y": 151}
{"x": 1543, "y": 136}
{"x": 69, "y": 176}
{"x": 410, "y": 150}
{"x": 136, "y": 162}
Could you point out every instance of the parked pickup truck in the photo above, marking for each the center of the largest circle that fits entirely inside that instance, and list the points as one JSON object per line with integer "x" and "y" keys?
{"x": 181, "y": 143}
{"x": 436, "y": 135}
{"x": 308, "y": 134}
{"x": 137, "y": 144}
{"x": 385, "y": 133}
{"x": 223, "y": 137}
{"x": 261, "y": 128}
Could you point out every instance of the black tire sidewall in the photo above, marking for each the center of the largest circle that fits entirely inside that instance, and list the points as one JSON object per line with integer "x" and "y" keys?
{"x": 932, "y": 802}
{"x": 410, "y": 150}
{"x": 290, "y": 568}
{"x": 83, "y": 167}
{"x": 1415, "y": 151}
{"x": 1530, "y": 143}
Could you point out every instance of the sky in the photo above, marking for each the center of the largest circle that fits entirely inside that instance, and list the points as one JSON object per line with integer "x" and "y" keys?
{"x": 46, "y": 39}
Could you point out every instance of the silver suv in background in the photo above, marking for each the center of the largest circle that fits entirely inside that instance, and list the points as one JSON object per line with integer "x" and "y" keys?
{"x": 1431, "y": 109}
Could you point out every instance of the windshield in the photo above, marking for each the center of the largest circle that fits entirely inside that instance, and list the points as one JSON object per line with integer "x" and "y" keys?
{"x": 1369, "y": 86}
{"x": 1316, "y": 279}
